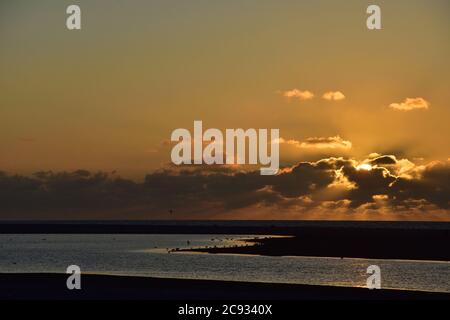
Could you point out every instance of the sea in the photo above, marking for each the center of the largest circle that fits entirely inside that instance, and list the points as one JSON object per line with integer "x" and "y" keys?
{"x": 151, "y": 255}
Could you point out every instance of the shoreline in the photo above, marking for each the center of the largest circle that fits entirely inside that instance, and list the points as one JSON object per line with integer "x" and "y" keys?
{"x": 344, "y": 243}
{"x": 369, "y": 240}
{"x": 52, "y": 286}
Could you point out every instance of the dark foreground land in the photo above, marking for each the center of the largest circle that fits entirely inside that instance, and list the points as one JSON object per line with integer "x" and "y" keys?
{"x": 105, "y": 287}
{"x": 345, "y": 243}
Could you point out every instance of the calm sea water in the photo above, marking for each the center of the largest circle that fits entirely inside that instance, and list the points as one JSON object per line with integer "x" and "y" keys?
{"x": 147, "y": 255}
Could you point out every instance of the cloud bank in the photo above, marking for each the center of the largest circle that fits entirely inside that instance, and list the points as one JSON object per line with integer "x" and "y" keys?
{"x": 331, "y": 188}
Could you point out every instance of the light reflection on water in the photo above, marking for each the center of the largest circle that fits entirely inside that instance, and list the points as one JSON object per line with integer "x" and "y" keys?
{"x": 146, "y": 255}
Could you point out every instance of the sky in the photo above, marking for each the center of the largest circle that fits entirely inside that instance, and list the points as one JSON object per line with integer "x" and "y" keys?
{"x": 363, "y": 114}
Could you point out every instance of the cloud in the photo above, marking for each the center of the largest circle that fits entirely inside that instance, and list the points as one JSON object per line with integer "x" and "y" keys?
{"x": 331, "y": 185}
{"x": 333, "y": 96}
{"x": 383, "y": 160}
{"x": 291, "y": 142}
{"x": 299, "y": 94}
{"x": 411, "y": 104}
{"x": 335, "y": 142}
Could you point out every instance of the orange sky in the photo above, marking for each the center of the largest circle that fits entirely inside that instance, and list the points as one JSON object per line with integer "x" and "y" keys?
{"x": 107, "y": 97}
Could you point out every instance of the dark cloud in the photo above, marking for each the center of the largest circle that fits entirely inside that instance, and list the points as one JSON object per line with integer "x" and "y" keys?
{"x": 202, "y": 191}
{"x": 302, "y": 179}
{"x": 384, "y": 160}
{"x": 433, "y": 186}
{"x": 368, "y": 183}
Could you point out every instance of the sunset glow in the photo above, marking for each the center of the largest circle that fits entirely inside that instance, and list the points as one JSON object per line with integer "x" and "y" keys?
{"x": 364, "y": 166}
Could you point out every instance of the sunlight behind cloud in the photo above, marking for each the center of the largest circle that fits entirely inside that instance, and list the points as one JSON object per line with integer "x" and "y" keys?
{"x": 365, "y": 167}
